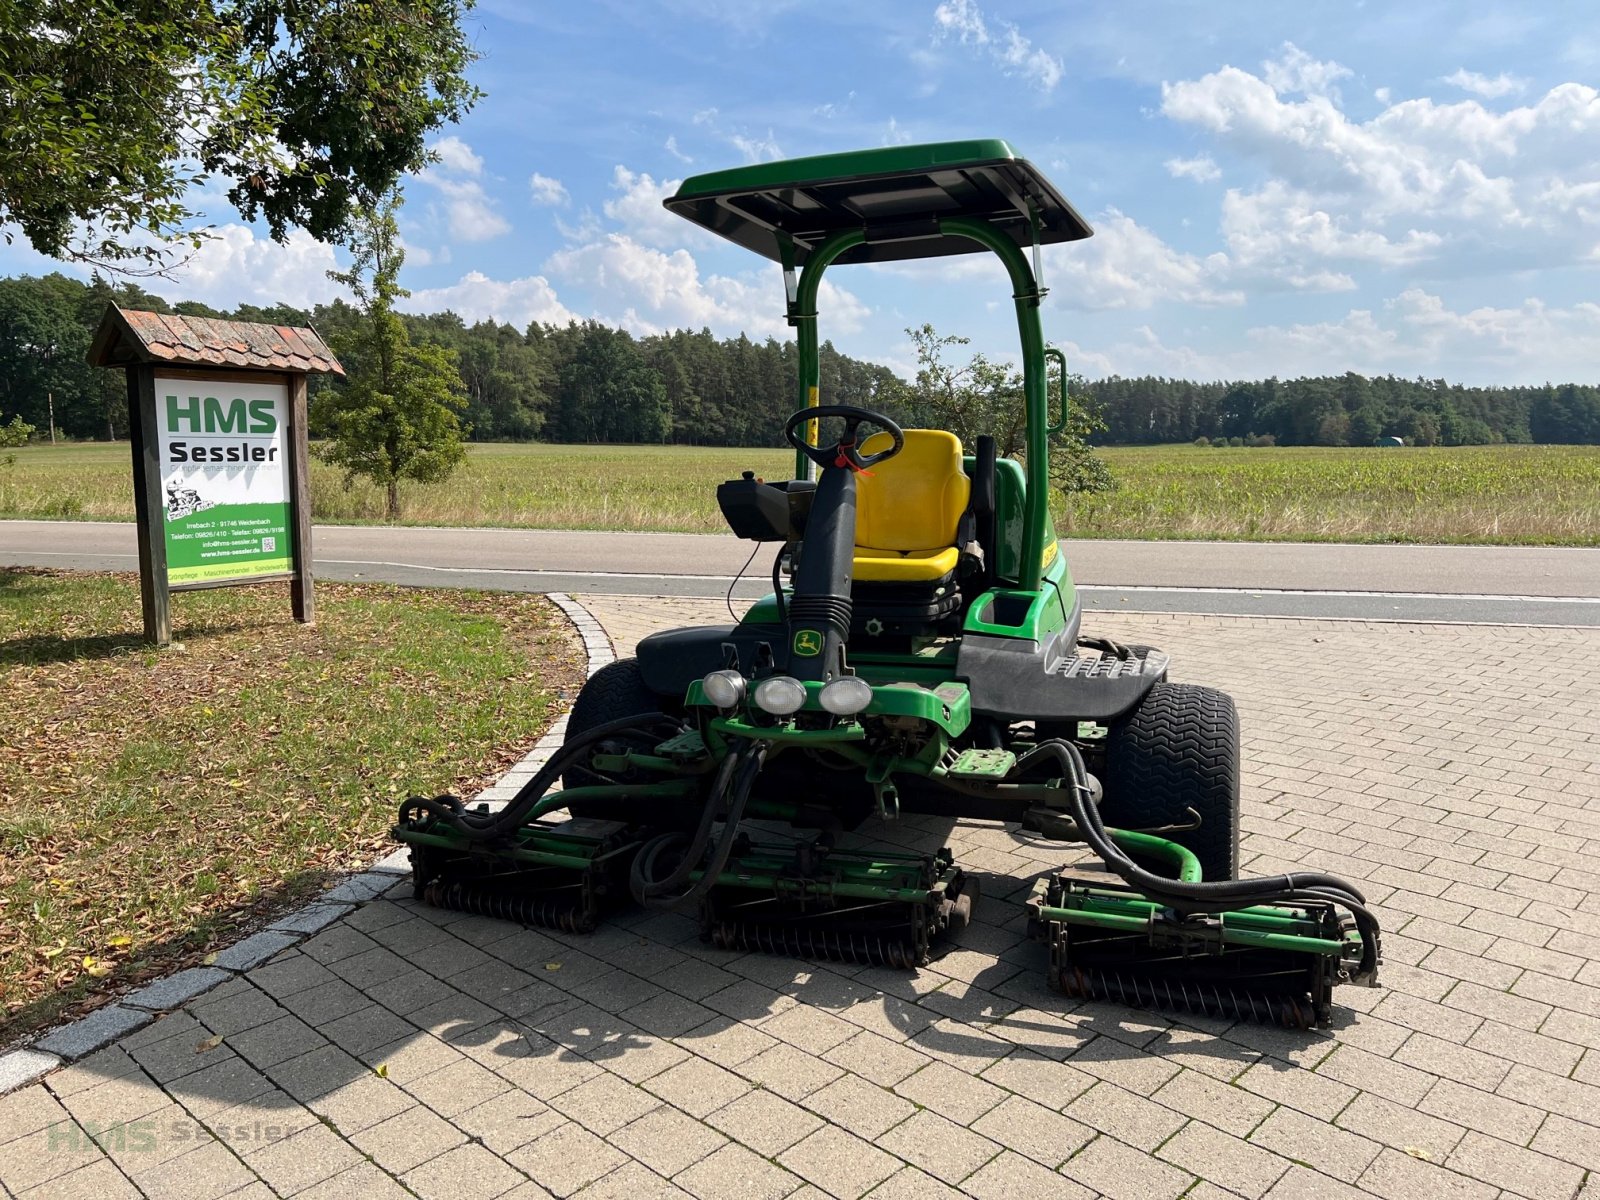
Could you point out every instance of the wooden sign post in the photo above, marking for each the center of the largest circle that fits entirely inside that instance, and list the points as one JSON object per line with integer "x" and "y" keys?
{"x": 217, "y": 412}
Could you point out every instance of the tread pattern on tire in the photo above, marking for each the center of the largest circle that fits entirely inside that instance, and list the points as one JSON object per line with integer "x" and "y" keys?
{"x": 1178, "y": 749}
{"x": 615, "y": 691}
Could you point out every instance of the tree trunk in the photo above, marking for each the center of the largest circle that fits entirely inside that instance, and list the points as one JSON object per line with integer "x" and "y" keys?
{"x": 394, "y": 500}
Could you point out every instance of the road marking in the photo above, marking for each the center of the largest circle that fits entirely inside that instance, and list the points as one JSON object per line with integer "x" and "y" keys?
{"x": 1486, "y": 597}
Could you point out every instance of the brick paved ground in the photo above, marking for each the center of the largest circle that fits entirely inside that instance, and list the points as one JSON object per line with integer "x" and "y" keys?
{"x": 1454, "y": 771}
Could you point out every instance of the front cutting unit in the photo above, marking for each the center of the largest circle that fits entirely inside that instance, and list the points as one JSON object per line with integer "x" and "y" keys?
{"x": 920, "y": 653}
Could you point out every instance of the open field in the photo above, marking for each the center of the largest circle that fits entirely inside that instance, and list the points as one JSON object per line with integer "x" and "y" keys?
{"x": 154, "y": 805}
{"x": 1505, "y": 494}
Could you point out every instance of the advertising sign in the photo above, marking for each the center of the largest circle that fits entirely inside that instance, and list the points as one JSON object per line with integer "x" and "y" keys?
{"x": 225, "y": 482}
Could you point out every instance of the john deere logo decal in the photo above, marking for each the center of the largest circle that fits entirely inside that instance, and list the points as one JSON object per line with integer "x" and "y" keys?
{"x": 808, "y": 643}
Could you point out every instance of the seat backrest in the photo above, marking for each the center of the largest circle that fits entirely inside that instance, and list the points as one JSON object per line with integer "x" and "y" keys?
{"x": 914, "y": 500}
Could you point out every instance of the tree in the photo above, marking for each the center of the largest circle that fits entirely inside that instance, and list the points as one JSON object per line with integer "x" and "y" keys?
{"x": 396, "y": 416}
{"x": 985, "y": 397}
{"x": 304, "y": 109}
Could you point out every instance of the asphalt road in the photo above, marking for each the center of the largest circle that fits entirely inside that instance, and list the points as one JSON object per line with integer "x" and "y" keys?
{"x": 1532, "y": 585}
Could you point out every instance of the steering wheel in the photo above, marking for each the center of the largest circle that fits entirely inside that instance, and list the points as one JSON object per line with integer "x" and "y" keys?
{"x": 844, "y": 452}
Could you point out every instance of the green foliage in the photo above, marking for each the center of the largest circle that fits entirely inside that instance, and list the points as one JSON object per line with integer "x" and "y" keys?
{"x": 396, "y": 418}
{"x": 985, "y": 397}
{"x": 303, "y": 110}
{"x": 16, "y": 433}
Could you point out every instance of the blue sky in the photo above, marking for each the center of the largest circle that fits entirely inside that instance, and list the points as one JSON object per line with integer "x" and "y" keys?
{"x": 1276, "y": 189}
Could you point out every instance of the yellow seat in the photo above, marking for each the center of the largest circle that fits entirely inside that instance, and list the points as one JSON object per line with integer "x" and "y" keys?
{"x": 908, "y": 508}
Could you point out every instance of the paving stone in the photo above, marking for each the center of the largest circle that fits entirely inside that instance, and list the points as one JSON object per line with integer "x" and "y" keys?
{"x": 358, "y": 888}
{"x": 1398, "y": 1176}
{"x": 1043, "y": 1080}
{"x": 33, "y": 1108}
{"x": 97, "y": 1181}
{"x": 633, "y": 1181}
{"x": 863, "y": 1108}
{"x": 465, "y": 1173}
{"x": 1129, "y": 1118}
{"x": 407, "y": 1140}
{"x": 510, "y": 1120}
{"x": 735, "y": 1173}
{"x": 908, "y": 1183}
{"x": 201, "y": 1174}
{"x": 1034, "y": 1130}
{"x": 1315, "y": 1094}
{"x": 460, "y": 1086}
{"x": 1525, "y": 1172}
{"x": 940, "y": 1147}
{"x": 365, "y": 1181}
{"x": 253, "y": 950}
{"x": 729, "y": 1043}
{"x": 1010, "y": 1176}
{"x": 1302, "y": 1183}
{"x": 49, "y": 1152}
{"x": 667, "y": 1141}
{"x": 839, "y": 1163}
{"x": 566, "y": 1158}
{"x": 1120, "y": 1172}
{"x": 1401, "y": 1127}
{"x": 697, "y": 1087}
{"x": 605, "y": 1104}
{"x": 304, "y": 1160}
{"x": 941, "y": 1088}
{"x": 288, "y": 974}
{"x": 789, "y": 1072}
{"x": 765, "y": 1122}
{"x": 1483, "y": 1111}
{"x": 21, "y": 1067}
{"x": 1330, "y": 1150}
{"x": 1224, "y": 1105}
{"x": 311, "y": 918}
{"x": 362, "y": 1103}
{"x": 1223, "y": 1159}
{"x": 99, "y": 1028}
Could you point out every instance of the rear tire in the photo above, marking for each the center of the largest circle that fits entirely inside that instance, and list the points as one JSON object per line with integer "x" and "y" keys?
{"x": 615, "y": 691}
{"x": 1178, "y": 749}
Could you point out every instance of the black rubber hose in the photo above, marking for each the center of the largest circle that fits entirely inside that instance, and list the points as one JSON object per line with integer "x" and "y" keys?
{"x": 485, "y": 826}
{"x": 1212, "y": 896}
{"x": 654, "y": 893}
{"x": 640, "y": 881}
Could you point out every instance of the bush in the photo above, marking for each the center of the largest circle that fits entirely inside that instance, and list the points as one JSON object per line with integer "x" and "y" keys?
{"x": 1219, "y": 443}
{"x": 1202, "y": 440}
{"x": 1236, "y": 441}
{"x": 16, "y": 433}
{"x": 1261, "y": 439}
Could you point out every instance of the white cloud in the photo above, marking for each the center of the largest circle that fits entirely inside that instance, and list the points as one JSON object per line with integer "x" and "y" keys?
{"x": 548, "y": 192}
{"x": 236, "y": 267}
{"x": 1297, "y": 71}
{"x": 1421, "y": 181}
{"x": 637, "y": 208}
{"x": 1200, "y": 169}
{"x": 1490, "y": 89}
{"x": 1414, "y": 332}
{"x": 672, "y": 149}
{"x": 649, "y": 290}
{"x": 1016, "y": 54}
{"x": 476, "y": 297}
{"x": 457, "y": 157}
{"x": 469, "y": 210}
{"x": 1126, "y": 266}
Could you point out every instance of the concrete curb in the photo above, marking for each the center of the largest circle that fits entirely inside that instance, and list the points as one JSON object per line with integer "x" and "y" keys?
{"x": 66, "y": 1043}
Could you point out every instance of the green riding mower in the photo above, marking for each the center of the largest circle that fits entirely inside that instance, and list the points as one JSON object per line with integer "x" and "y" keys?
{"x": 922, "y": 656}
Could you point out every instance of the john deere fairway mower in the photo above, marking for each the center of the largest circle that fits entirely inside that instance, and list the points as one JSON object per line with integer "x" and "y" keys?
{"x": 922, "y": 656}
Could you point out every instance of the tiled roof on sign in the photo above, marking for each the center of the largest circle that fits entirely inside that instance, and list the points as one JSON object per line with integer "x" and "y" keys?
{"x": 129, "y": 336}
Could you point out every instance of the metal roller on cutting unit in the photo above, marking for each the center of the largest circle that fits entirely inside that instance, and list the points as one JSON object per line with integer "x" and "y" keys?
{"x": 920, "y": 653}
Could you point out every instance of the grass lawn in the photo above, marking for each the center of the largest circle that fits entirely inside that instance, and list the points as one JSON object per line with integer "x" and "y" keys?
{"x": 155, "y": 805}
{"x": 1504, "y": 494}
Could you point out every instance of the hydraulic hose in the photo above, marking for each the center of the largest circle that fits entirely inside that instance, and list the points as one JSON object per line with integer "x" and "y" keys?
{"x": 743, "y": 766}
{"x": 1214, "y": 896}
{"x": 531, "y": 800}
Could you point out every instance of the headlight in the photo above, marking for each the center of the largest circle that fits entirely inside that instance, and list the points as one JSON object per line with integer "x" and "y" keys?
{"x": 780, "y": 695}
{"x": 846, "y": 696}
{"x": 723, "y": 688}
